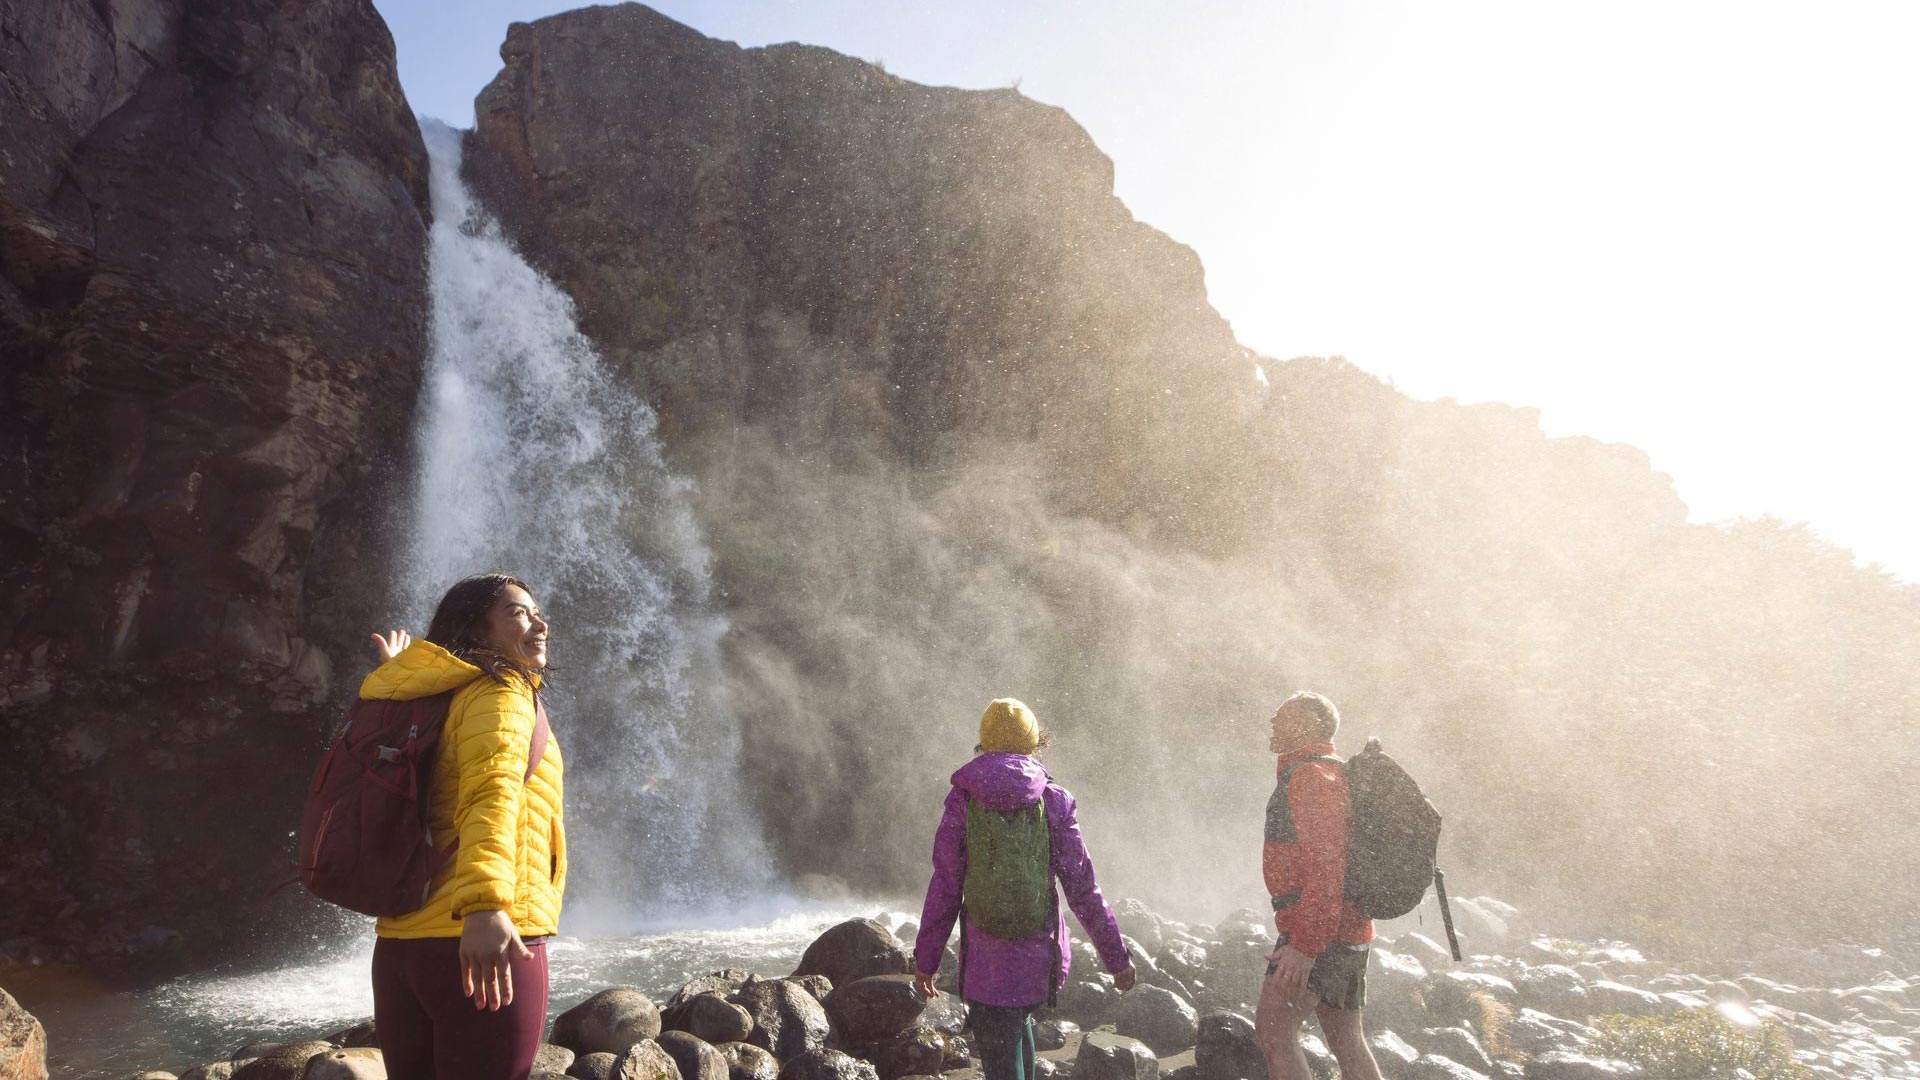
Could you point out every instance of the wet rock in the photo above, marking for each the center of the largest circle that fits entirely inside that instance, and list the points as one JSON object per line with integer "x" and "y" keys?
{"x": 823, "y": 1064}
{"x": 1184, "y": 1072}
{"x": 1158, "y": 1017}
{"x": 1140, "y": 923}
{"x": 1319, "y": 1059}
{"x": 945, "y": 1013}
{"x": 595, "y": 1066}
{"x": 23, "y": 1042}
{"x": 1531, "y": 1031}
{"x": 875, "y": 1008}
{"x": 919, "y": 1050}
{"x": 1049, "y": 1069}
{"x": 360, "y": 1034}
{"x": 1185, "y": 960}
{"x": 1225, "y": 1048}
{"x": 746, "y": 1061}
{"x": 724, "y": 982}
{"x": 1389, "y": 1048}
{"x": 1607, "y": 996}
{"x": 1436, "y": 1067}
{"x": 697, "y": 1058}
{"x": 150, "y": 1075}
{"x": 1423, "y": 948}
{"x": 708, "y": 1016}
{"x": 645, "y": 1060}
{"x": 1457, "y": 1044}
{"x": 854, "y": 950}
{"x": 285, "y": 1061}
{"x": 553, "y": 1058}
{"x": 1090, "y": 1002}
{"x": 1565, "y": 1065}
{"x": 215, "y": 1070}
{"x": 1500, "y": 989}
{"x": 1555, "y": 988}
{"x": 1052, "y": 1034}
{"x": 819, "y": 986}
{"x": 787, "y": 1021}
{"x": 1114, "y": 1057}
{"x": 608, "y": 1022}
{"x": 358, "y": 1063}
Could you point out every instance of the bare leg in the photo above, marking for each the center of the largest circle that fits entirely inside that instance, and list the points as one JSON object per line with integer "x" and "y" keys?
{"x": 1276, "y": 1024}
{"x": 1347, "y": 1038}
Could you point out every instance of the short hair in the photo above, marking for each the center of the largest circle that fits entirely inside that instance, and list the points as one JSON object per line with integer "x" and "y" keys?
{"x": 1319, "y": 708}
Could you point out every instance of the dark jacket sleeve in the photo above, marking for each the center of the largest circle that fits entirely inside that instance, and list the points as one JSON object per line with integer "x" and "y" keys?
{"x": 943, "y": 890}
{"x": 1074, "y": 868}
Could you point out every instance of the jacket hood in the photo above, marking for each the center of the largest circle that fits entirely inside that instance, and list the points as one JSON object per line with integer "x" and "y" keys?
{"x": 423, "y": 669}
{"x": 1003, "y": 781}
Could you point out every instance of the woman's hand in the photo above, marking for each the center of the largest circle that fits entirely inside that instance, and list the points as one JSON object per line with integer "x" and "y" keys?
{"x": 393, "y": 644}
{"x": 923, "y": 985}
{"x": 1124, "y": 980}
{"x": 488, "y": 946}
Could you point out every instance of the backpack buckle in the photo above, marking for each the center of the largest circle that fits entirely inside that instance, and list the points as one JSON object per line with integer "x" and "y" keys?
{"x": 389, "y": 753}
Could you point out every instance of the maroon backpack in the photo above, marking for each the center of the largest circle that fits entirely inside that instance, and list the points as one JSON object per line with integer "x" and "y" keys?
{"x": 364, "y": 842}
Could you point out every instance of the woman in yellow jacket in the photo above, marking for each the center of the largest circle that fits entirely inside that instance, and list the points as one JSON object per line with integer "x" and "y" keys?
{"x": 460, "y": 986}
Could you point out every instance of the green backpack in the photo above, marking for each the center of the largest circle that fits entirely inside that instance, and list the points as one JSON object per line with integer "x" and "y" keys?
{"x": 1008, "y": 892}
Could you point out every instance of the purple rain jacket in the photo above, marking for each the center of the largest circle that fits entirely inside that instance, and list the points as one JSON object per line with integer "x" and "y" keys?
{"x": 1013, "y": 972}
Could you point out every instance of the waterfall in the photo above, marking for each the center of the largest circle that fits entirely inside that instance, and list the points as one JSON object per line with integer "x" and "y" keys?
{"x": 532, "y": 460}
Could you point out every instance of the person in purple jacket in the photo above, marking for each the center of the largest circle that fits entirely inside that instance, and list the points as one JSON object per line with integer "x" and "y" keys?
{"x": 1003, "y": 981}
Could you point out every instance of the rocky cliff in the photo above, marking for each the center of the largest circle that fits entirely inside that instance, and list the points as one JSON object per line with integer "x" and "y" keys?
{"x": 961, "y": 427}
{"x": 211, "y": 308}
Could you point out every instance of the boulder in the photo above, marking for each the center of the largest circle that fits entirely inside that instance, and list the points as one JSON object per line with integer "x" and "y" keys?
{"x": 1457, "y": 1044}
{"x": 1225, "y": 1048}
{"x": 1608, "y": 996}
{"x": 875, "y": 1008}
{"x": 1391, "y": 1051}
{"x": 823, "y": 1064}
{"x": 608, "y": 1022}
{"x": 787, "y": 1021}
{"x": 215, "y": 1070}
{"x": 595, "y": 1066}
{"x": 746, "y": 1061}
{"x": 355, "y": 1035}
{"x": 697, "y": 1058}
{"x": 1090, "y": 1002}
{"x": 357, "y": 1063}
{"x": 1184, "y": 1072}
{"x": 1565, "y": 1065}
{"x": 284, "y": 1061}
{"x": 853, "y": 950}
{"x": 723, "y": 982}
{"x": 1436, "y": 1067}
{"x": 1158, "y": 1017}
{"x": 645, "y": 1060}
{"x": 152, "y": 1074}
{"x": 1555, "y": 988}
{"x": 1114, "y": 1057}
{"x": 946, "y": 1014}
{"x": 818, "y": 985}
{"x": 1052, "y": 1034}
{"x": 23, "y": 1042}
{"x": 1140, "y": 923}
{"x": 553, "y": 1058}
{"x": 917, "y": 1051}
{"x": 708, "y": 1016}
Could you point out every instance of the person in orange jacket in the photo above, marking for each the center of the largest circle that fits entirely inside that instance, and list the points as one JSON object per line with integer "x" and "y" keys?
{"x": 1319, "y": 962}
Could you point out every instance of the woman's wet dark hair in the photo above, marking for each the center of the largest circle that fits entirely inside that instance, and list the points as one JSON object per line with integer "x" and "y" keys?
{"x": 460, "y": 623}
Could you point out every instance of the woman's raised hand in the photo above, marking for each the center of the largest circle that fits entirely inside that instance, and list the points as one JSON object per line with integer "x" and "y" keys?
{"x": 393, "y": 644}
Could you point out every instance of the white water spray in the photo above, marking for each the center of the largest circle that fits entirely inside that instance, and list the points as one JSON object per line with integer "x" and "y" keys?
{"x": 531, "y": 460}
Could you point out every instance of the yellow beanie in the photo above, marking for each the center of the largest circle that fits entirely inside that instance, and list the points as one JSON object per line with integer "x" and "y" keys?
{"x": 1008, "y": 726}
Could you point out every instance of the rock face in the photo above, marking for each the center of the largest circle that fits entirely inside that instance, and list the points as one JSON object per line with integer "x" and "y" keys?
{"x": 1226, "y": 1049}
{"x": 915, "y": 322}
{"x": 1114, "y": 1057}
{"x": 696, "y": 1058}
{"x": 1157, "y": 1017}
{"x": 23, "y": 1042}
{"x": 212, "y": 304}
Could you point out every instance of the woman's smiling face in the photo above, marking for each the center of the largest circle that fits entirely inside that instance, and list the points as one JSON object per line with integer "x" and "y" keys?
{"x": 516, "y": 629}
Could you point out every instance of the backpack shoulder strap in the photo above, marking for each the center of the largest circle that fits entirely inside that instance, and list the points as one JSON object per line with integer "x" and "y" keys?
{"x": 1286, "y": 778}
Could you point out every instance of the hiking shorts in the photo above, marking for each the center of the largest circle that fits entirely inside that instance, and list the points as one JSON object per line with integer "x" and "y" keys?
{"x": 1339, "y": 975}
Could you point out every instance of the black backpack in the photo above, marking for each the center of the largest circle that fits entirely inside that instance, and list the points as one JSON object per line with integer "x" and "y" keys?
{"x": 1393, "y": 835}
{"x": 1393, "y": 838}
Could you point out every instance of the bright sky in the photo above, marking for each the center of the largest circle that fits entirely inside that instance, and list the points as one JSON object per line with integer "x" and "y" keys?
{"x": 1690, "y": 225}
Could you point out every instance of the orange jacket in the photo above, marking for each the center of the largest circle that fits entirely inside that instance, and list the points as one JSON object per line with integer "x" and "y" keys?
{"x": 1305, "y": 856}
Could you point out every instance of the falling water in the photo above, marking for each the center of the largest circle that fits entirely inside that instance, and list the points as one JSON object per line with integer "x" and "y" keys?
{"x": 532, "y": 460}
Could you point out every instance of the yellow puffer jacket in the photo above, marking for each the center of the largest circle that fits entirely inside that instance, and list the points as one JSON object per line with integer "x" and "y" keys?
{"x": 513, "y": 843}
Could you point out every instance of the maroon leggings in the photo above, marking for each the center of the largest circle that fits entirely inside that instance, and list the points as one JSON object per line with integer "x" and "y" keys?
{"x": 429, "y": 1030}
